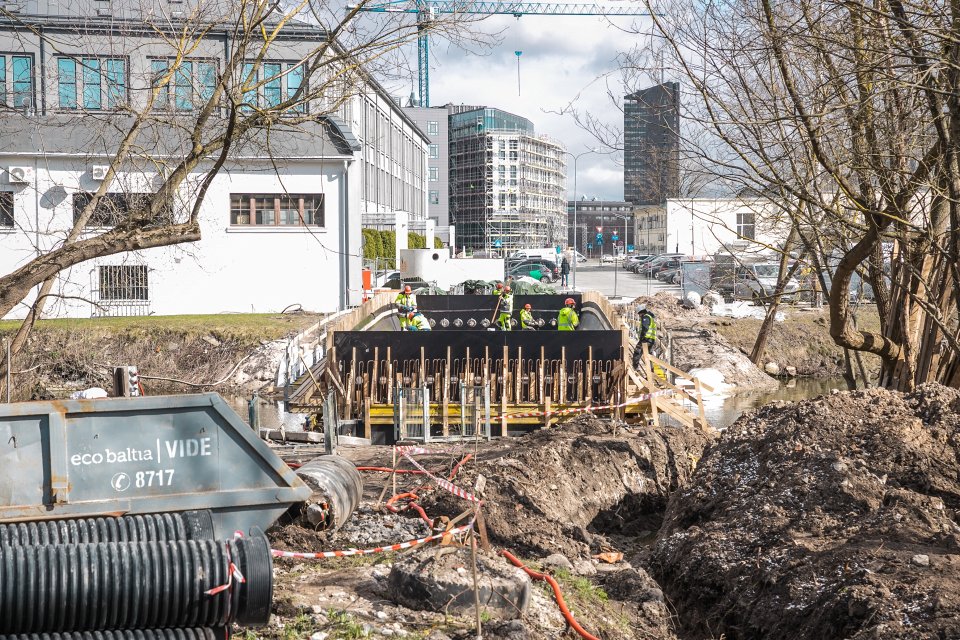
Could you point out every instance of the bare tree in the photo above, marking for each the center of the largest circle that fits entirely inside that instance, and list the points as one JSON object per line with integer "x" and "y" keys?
{"x": 174, "y": 128}
{"x": 847, "y": 115}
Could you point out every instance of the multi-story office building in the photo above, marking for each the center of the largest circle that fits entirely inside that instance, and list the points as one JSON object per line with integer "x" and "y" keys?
{"x": 651, "y": 139}
{"x": 280, "y": 221}
{"x": 506, "y": 183}
{"x": 604, "y": 218}
{"x": 433, "y": 121}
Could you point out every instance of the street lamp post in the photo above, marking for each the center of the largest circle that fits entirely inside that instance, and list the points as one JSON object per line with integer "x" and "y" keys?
{"x": 576, "y": 156}
{"x": 624, "y": 253}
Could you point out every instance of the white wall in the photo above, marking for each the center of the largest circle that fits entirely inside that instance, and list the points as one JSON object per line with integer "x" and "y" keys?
{"x": 700, "y": 226}
{"x": 231, "y": 269}
{"x": 436, "y": 265}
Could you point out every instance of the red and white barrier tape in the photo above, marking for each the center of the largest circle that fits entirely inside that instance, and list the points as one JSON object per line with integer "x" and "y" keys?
{"x": 360, "y": 552}
{"x": 414, "y": 450}
{"x": 562, "y": 412}
{"x": 444, "y": 484}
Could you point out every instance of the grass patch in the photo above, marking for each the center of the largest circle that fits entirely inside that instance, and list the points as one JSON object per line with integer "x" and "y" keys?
{"x": 226, "y": 326}
{"x": 343, "y": 626}
{"x": 302, "y": 626}
{"x": 585, "y": 590}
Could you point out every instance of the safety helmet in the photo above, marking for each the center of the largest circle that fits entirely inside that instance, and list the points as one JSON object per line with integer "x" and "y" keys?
{"x": 570, "y": 302}
{"x": 407, "y": 289}
{"x": 507, "y": 289}
{"x": 411, "y": 314}
{"x": 498, "y": 286}
{"x": 641, "y": 307}
{"x": 527, "y": 307}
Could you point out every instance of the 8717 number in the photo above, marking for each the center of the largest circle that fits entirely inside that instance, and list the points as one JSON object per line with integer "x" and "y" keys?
{"x": 161, "y": 478}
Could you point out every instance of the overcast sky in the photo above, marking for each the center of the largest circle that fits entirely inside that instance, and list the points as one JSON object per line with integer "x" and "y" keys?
{"x": 566, "y": 61}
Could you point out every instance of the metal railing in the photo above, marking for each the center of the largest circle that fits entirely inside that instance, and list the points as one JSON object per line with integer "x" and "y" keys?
{"x": 475, "y": 411}
{"x": 411, "y": 413}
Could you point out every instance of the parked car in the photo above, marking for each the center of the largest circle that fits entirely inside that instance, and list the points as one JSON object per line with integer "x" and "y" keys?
{"x": 668, "y": 262}
{"x": 667, "y": 274}
{"x": 536, "y": 270}
{"x": 636, "y": 266}
{"x": 652, "y": 267}
{"x": 580, "y": 257}
{"x": 606, "y": 259}
{"x": 757, "y": 281}
{"x": 634, "y": 259}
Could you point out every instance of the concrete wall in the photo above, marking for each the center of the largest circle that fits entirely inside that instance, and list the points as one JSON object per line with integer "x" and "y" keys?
{"x": 232, "y": 269}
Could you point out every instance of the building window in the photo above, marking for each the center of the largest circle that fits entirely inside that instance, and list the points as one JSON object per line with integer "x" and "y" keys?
{"x": 434, "y": 150}
{"x": 276, "y": 210}
{"x": 747, "y": 225}
{"x": 273, "y": 83}
{"x": 91, "y": 83}
{"x": 6, "y": 209}
{"x": 434, "y": 174}
{"x": 433, "y": 128}
{"x": 434, "y": 197}
{"x": 191, "y": 85}
{"x": 16, "y": 81}
{"x": 124, "y": 282}
{"x": 113, "y": 207}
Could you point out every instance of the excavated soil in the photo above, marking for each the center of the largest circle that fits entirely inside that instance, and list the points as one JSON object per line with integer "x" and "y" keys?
{"x": 828, "y": 518}
{"x": 572, "y": 492}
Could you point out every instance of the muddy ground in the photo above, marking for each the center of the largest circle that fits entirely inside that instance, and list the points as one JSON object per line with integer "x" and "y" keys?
{"x": 828, "y": 518}
{"x": 582, "y": 498}
{"x": 802, "y": 341}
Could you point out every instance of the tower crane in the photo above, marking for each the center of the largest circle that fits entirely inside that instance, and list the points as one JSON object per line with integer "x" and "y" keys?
{"x": 427, "y": 10}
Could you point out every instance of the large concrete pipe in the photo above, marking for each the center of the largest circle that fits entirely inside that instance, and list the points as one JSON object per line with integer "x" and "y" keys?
{"x": 337, "y": 489}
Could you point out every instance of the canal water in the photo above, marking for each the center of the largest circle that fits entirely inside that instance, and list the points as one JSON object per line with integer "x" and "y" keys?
{"x": 722, "y": 411}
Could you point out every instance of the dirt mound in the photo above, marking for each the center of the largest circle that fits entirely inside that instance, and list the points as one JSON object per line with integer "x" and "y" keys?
{"x": 833, "y": 517}
{"x": 546, "y": 491}
{"x": 695, "y": 345}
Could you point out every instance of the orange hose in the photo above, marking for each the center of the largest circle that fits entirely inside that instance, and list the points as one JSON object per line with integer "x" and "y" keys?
{"x": 556, "y": 592}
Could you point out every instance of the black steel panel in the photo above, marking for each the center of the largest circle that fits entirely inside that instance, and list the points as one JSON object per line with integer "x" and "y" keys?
{"x": 406, "y": 345}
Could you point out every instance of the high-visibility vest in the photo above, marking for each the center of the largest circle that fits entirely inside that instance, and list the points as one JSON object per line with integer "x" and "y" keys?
{"x": 506, "y": 303}
{"x": 526, "y": 319}
{"x": 650, "y": 335}
{"x": 407, "y": 300}
{"x": 567, "y": 320}
{"x": 419, "y": 323}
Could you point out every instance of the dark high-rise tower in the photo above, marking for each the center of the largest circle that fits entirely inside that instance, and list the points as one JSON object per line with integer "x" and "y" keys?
{"x": 651, "y": 136}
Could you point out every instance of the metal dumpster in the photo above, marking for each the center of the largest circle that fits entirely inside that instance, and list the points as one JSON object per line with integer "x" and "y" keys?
{"x": 115, "y": 456}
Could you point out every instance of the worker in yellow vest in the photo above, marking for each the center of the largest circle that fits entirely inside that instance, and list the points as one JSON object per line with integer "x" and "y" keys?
{"x": 416, "y": 321}
{"x": 406, "y": 302}
{"x": 568, "y": 320}
{"x": 506, "y": 309}
{"x": 526, "y": 319}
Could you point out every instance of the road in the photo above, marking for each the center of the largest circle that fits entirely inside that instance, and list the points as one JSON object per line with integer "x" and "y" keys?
{"x": 591, "y": 276}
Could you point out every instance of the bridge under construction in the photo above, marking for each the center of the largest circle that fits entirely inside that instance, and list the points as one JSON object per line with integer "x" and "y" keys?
{"x": 466, "y": 379}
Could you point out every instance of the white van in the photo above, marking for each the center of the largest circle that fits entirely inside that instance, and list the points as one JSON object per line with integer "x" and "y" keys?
{"x": 546, "y": 254}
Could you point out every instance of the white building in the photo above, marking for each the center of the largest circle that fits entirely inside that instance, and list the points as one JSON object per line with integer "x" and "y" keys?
{"x": 279, "y": 228}
{"x": 700, "y": 226}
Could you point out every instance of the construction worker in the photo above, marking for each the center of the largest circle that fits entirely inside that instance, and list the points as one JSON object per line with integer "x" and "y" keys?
{"x": 406, "y": 302}
{"x": 648, "y": 327}
{"x": 526, "y": 319}
{"x": 506, "y": 309}
{"x": 568, "y": 320}
{"x": 416, "y": 321}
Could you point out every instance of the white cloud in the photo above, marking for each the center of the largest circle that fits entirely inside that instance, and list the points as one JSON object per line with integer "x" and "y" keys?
{"x": 567, "y": 61}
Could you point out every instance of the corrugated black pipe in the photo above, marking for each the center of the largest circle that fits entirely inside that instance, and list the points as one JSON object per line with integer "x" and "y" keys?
{"x": 188, "y": 525}
{"x": 127, "y": 634}
{"x": 132, "y": 585}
